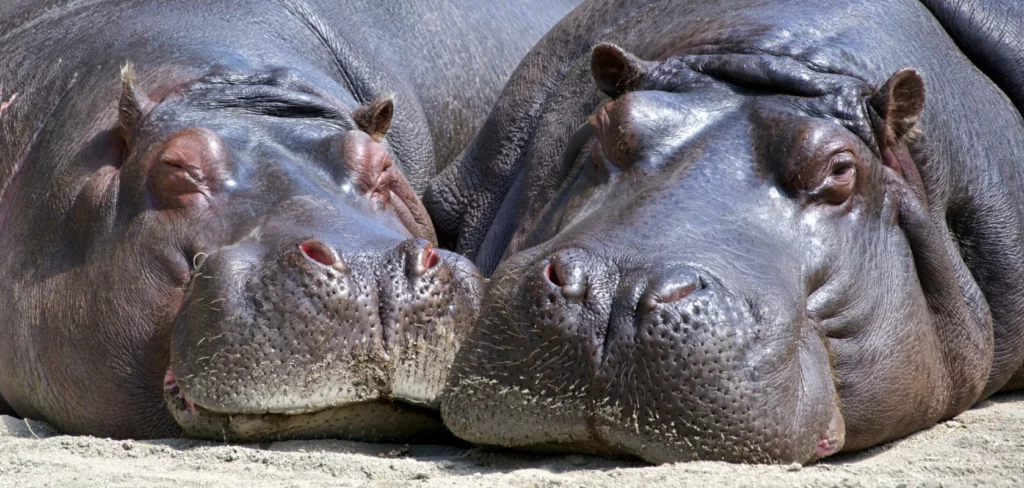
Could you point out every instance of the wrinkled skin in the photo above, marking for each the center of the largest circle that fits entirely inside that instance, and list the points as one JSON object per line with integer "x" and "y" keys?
{"x": 227, "y": 241}
{"x": 748, "y": 231}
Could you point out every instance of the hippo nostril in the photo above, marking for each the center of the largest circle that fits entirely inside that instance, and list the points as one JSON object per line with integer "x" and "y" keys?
{"x": 422, "y": 261}
{"x": 570, "y": 277}
{"x": 552, "y": 275}
{"x": 668, "y": 293}
{"x": 318, "y": 251}
{"x": 430, "y": 257}
{"x": 678, "y": 293}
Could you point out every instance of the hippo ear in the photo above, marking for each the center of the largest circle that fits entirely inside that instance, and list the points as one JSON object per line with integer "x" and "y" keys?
{"x": 374, "y": 118}
{"x": 133, "y": 103}
{"x": 900, "y": 102}
{"x": 616, "y": 71}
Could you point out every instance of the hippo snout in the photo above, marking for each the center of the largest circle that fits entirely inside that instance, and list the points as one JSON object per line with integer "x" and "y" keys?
{"x": 570, "y": 272}
{"x": 299, "y": 335}
{"x": 610, "y": 355}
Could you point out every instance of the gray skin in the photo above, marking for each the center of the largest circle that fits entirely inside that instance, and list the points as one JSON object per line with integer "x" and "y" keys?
{"x": 209, "y": 213}
{"x": 745, "y": 230}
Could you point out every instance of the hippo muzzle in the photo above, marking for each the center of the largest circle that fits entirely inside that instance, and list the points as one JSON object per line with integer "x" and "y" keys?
{"x": 286, "y": 334}
{"x": 621, "y": 359}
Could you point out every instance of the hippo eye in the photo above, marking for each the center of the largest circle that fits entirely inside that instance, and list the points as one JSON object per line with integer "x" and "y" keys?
{"x": 841, "y": 179}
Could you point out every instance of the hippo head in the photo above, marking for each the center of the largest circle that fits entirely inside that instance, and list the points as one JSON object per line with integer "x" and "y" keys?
{"x": 741, "y": 263}
{"x": 292, "y": 265}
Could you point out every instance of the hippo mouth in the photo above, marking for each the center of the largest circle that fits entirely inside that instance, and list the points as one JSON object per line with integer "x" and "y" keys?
{"x": 380, "y": 420}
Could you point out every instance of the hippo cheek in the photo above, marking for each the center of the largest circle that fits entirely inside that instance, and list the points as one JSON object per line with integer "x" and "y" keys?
{"x": 631, "y": 367}
{"x": 307, "y": 344}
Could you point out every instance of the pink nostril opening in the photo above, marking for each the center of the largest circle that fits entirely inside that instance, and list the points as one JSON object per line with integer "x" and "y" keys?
{"x": 318, "y": 251}
{"x": 170, "y": 382}
{"x": 430, "y": 257}
{"x": 678, "y": 293}
{"x": 552, "y": 275}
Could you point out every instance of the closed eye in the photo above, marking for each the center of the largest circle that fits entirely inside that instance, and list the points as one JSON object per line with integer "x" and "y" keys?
{"x": 838, "y": 186}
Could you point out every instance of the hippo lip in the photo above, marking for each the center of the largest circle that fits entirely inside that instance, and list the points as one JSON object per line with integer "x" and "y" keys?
{"x": 373, "y": 420}
{"x": 834, "y": 437}
{"x": 176, "y": 394}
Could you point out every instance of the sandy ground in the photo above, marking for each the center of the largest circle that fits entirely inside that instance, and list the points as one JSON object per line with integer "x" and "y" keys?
{"x": 982, "y": 447}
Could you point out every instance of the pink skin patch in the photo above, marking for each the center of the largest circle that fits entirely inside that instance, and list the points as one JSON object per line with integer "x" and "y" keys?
{"x": 833, "y": 439}
{"x": 4, "y": 105}
{"x": 678, "y": 293}
{"x": 826, "y": 447}
{"x": 430, "y": 257}
{"x": 552, "y": 275}
{"x": 171, "y": 388}
{"x": 318, "y": 251}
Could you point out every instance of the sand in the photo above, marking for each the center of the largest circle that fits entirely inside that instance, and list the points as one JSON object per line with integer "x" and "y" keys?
{"x": 982, "y": 447}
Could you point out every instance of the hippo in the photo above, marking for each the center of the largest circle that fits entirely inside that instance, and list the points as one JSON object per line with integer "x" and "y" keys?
{"x": 745, "y": 230}
{"x": 210, "y": 214}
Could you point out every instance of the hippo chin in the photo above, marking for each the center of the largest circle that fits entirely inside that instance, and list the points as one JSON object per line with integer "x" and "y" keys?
{"x": 739, "y": 233}
{"x": 228, "y": 241}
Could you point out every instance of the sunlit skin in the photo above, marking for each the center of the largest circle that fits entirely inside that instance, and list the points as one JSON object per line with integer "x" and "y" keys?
{"x": 737, "y": 231}
{"x": 210, "y": 211}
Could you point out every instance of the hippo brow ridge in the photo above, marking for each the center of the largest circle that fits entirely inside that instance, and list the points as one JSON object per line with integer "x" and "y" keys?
{"x": 827, "y": 89}
{"x": 277, "y": 93}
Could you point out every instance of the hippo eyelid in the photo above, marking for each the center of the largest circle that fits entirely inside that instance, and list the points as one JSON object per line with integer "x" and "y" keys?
{"x": 839, "y": 179}
{"x": 840, "y": 160}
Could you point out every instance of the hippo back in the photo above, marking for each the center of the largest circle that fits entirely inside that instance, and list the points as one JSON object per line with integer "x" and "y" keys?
{"x": 991, "y": 34}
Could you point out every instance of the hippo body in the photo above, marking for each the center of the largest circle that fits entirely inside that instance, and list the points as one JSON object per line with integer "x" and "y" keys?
{"x": 746, "y": 230}
{"x": 209, "y": 211}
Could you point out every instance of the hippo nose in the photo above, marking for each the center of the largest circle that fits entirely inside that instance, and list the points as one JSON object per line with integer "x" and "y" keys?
{"x": 671, "y": 285}
{"x": 567, "y": 270}
{"x": 319, "y": 252}
{"x": 420, "y": 257}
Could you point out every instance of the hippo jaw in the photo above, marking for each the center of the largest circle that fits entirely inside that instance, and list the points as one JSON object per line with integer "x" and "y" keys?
{"x": 382, "y": 420}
